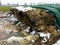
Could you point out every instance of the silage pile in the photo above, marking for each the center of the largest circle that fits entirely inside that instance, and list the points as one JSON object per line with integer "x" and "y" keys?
{"x": 41, "y": 23}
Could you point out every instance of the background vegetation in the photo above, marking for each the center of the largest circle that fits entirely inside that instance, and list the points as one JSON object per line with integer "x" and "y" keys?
{"x": 5, "y": 8}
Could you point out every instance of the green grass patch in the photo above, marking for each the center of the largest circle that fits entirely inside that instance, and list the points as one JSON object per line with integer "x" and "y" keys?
{"x": 5, "y": 8}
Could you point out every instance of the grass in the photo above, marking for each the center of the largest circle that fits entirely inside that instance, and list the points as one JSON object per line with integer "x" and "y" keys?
{"x": 5, "y": 8}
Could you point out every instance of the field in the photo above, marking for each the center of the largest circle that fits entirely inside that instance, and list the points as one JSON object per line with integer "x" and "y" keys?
{"x": 5, "y": 8}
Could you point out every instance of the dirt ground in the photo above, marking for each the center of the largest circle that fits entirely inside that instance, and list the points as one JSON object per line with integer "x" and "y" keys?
{"x": 7, "y": 29}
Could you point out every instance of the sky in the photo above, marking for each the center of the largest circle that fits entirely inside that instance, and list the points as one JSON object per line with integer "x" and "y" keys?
{"x": 29, "y": 1}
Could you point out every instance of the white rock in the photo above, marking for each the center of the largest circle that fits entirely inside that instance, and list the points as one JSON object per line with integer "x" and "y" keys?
{"x": 27, "y": 29}
{"x": 33, "y": 32}
{"x": 33, "y": 41}
{"x": 44, "y": 35}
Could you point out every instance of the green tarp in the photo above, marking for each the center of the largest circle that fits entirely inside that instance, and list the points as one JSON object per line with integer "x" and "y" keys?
{"x": 55, "y": 9}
